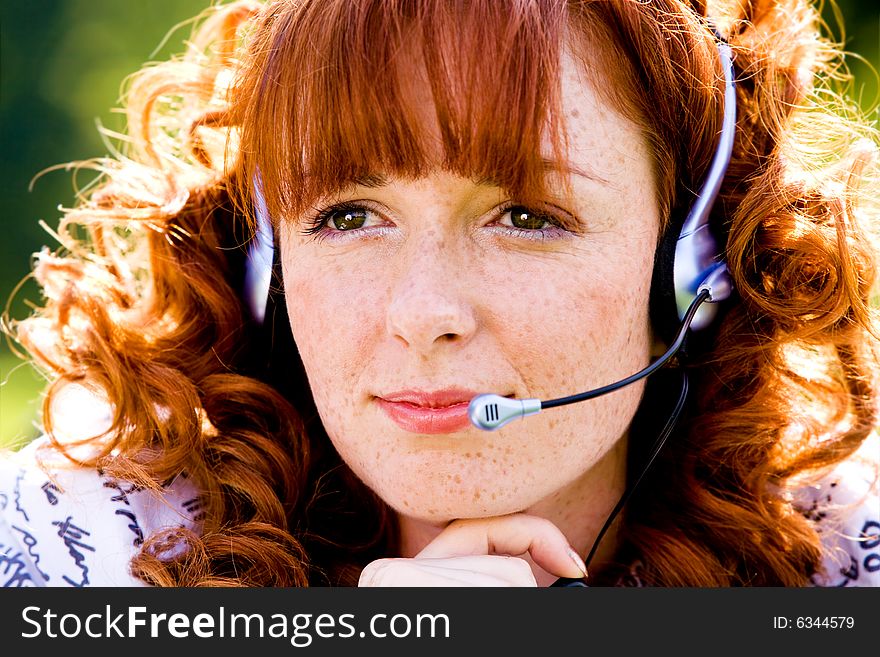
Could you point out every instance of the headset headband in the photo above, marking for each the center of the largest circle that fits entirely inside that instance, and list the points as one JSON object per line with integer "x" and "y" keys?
{"x": 698, "y": 264}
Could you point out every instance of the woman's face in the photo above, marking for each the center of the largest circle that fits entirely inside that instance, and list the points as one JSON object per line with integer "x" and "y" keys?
{"x": 416, "y": 295}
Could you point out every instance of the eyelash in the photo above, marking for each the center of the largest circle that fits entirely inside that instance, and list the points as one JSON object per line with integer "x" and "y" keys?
{"x": 555, "y": 228}
{"x": 317, "y": 225}
{"x": 318, "y": 230}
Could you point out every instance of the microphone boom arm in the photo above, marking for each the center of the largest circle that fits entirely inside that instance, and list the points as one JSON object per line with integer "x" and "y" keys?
{"x": 490, "y": 411}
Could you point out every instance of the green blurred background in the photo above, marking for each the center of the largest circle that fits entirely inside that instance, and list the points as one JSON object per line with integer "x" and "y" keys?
{"x": 62, "y": 63}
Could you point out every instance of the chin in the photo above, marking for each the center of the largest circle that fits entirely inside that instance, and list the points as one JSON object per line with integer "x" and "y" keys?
{"x": 442, "y": 509}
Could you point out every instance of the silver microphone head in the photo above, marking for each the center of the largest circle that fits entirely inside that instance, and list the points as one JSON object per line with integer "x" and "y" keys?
{"x": 489, "y": 412}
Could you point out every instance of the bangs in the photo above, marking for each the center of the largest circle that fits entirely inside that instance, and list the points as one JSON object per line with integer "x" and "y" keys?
{"x": 339, "y": 92}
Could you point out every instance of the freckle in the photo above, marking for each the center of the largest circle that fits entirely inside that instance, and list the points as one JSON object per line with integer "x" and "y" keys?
{"x": 495, "y": 461}
{"x": 405, "y": 503}
{"x": 467, "y": 455}
{"x": 476, "y": 495}
{"x": 458, "y": 479}
{"x": 479, "y": 455}
{"x": 494, "y": 496}
{"x": 575, "y": 113}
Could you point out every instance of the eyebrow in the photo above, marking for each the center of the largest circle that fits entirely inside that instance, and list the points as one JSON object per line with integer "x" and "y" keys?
{"x": 376, "y": 180}
{"x": 371, "y": 180}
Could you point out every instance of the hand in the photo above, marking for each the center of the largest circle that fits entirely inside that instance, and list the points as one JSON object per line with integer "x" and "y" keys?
{"x": 482, "y": 552}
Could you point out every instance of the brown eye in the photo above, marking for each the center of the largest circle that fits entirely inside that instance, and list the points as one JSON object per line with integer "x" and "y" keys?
{"x": 348, "y": 219}
{"x": 526, "y": 219}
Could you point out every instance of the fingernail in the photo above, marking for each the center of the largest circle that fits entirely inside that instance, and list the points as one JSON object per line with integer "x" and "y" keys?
{"x": 578, "y": 561}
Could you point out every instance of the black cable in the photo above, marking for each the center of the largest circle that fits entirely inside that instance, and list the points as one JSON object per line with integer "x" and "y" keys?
{"x": 658, "y": 445}
{"x": 627, "y": 494}
{"x": 661, "y": 437}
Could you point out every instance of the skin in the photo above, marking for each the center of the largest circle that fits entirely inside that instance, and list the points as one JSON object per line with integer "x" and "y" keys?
{"x": 434, "y": 292}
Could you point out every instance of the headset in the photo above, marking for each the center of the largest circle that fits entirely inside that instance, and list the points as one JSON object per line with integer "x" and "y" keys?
{"x": 698, "y": 278}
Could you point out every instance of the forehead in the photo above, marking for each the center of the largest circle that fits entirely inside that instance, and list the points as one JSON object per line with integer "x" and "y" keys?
{"x": 600, "y": 142}
{"x": 599, "y": 138}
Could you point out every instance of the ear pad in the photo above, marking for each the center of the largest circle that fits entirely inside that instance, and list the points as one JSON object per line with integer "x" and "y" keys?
{"x": 662, "y": 308}
{"x": 282, "y": 365}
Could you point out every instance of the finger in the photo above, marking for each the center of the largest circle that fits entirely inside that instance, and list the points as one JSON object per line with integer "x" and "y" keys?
{"x": 482, "y": 570}
{"x": 513, "y": 571}
{"x": 513, "y": 534}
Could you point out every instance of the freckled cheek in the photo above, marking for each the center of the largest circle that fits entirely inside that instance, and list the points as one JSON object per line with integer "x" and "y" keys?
{"x": 614, "y": 335}
{"x": 333, "y": 317}
{"x": 575, "y": 333}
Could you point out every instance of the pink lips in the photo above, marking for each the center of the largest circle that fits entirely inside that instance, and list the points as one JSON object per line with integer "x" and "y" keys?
{"x": 440, "y": 411}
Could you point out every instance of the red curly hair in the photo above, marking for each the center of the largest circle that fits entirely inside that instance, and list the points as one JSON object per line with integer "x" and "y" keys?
{"x": 145, "y": 307}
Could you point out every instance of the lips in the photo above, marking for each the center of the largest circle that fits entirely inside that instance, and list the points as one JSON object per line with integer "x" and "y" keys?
{"x": 434, "y": 412}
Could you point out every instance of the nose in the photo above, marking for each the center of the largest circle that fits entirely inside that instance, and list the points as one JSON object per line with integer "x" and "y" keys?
{"x": 430, "y": 305}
